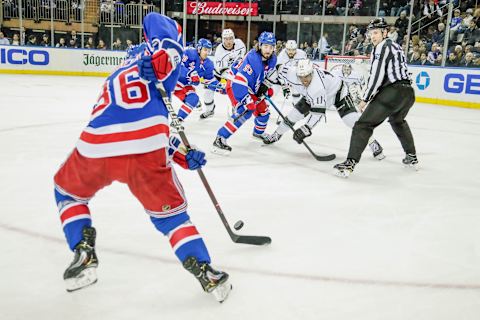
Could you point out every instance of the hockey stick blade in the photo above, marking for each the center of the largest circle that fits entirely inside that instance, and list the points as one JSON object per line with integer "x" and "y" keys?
{"x": 252, "y": 240}
{"x": 328, "y": 157}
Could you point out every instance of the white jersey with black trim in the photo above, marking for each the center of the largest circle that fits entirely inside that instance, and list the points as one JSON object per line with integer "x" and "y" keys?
{"x": 355, "y": 78}
{"x": 355, "y": 82}
{"x": 225, "y": 58}
{"x": 286, "y": 61}
{"x": 321, "y": 92}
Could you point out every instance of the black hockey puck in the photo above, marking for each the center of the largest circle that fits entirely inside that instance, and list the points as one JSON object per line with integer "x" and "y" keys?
{"x": 238, "y": 225}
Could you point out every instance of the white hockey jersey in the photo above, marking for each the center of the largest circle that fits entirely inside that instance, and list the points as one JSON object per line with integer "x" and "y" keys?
{"x": 225, "y": 58}
{"x": 355, "y": 82}
{"x": 286, "y": 61}
{"x": 322, "y": 90}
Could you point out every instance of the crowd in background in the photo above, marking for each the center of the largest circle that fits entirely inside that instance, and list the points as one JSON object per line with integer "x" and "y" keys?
{"x": 69, "y": 40}
{"x": 425, "y": 46}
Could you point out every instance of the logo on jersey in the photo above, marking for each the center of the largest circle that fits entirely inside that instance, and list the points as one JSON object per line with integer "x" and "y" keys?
{"x": 422, "y": 81}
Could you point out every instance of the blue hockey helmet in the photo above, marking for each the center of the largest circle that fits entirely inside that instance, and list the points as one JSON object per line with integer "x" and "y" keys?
{"x": 267, "y": 38}
{"x": 204, "y": 43}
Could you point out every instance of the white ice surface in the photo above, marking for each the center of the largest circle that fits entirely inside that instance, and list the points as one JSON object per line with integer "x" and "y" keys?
{"x": 387, "y": 243}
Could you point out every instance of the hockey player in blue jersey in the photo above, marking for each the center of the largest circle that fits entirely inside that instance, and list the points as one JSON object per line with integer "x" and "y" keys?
{"x": 246, "y": 91}
{"x": 127, "y": 140}
{"x": 197, "y": 68}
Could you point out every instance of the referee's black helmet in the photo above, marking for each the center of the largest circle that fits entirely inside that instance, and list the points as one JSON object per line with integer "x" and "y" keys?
{"x": 377, "y": 23}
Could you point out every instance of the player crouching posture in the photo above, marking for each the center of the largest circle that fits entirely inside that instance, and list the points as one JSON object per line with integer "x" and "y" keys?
{"x": 127, "y": 140}
{"x": 390, "y": 95}
{"x": 319, "y": 89}
{"x": 244, "y": 92}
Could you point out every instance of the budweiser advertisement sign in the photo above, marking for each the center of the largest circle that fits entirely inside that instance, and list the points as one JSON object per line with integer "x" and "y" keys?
{"x": 217, "y": 8}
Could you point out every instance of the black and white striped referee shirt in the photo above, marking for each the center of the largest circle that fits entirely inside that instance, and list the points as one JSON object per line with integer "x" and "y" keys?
{"x": 388, "y": 65}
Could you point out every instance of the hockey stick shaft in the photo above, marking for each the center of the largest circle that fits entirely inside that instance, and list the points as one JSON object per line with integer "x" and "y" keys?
{"x": 255, "y": 240}
{"x": 328, "y": 157}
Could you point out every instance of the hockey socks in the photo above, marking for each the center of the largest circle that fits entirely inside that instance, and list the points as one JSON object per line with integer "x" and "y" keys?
{"x": 183, "y": 236}
{"x": 74, "y": 216}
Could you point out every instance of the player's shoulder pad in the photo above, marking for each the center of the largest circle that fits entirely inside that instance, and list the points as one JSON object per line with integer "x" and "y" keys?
{"x": 239, "y": 43}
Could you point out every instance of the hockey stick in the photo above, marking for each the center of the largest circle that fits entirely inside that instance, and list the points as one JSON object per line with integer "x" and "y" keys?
{"x": 328, "y": 157}
{"x": 253, "y": 240}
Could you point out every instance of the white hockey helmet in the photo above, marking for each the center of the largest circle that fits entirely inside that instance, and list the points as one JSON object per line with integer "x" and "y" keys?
{"x": 304, "y": 68}
{"x": 227, "y": 33}
{"x": 291, "y": 45}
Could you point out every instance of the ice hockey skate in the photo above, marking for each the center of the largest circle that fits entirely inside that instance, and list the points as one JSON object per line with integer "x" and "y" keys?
{"x": 377, "y": 150}
{"x": 211, "y": 280}
{"x": 411, "y": 161}
{"x": 261, "y": 136}
{"x": 82, "y": 271}
{"x": 345, "y": 168}
{"x": 272, "y": 138}
{"x": 207, "y": 114}
{"x": 221, "y": 147}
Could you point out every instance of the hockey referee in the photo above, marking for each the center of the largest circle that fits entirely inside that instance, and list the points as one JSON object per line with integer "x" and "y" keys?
{"x": 389, "y": 94}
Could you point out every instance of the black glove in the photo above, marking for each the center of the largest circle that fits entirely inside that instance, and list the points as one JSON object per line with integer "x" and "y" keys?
{"x": 301, "y": 133}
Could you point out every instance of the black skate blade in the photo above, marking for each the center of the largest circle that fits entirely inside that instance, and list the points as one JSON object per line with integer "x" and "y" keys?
{"x": 253, "y": 240}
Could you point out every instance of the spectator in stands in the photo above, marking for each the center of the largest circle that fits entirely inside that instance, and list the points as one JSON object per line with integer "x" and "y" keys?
{"x": 455, "y": 24}
{"x": 308, "y": 49}
{"x": 423, "y": 60}
{"x": 468, "y": 17}
{"x": 45, "y": 41}
{"x": 130, "y": 43}
{"x": 433, "y": 54}
{"x": 468, "y": 60}
{"x": 279, "y": 46}
{"x": 61, "y": 43}
{"x": 471, "y": 34}
{"x": 476, "y": 62}
{"x": 402, "y": 24}
{"x": 415, "y": 58}
{"x": 340, "y": 6}
{"x": 315, "y": 51}
{"x": 331, "y": 8}
{"x": 32, "y": 40}
{"x": 458, "y": 53}
{"x": 385, "y": 8}
{"x": 3, "y": 40}
{"x": 439, "y": 35}
{"x": 16, "y": 40}
{"x": 90, "y": 44}
{"x": 416, "y": 48}
{"x": 431, "y": 11}
{"x": 451, "y": 60}
{"x": 101, "y": 45}
{"x": 72, "y": 43}
{"x": 117, "y": 45}
{"x": 476, "y": 17}
{"x": 393, "y": 34}
{"x": 73, "y": 36}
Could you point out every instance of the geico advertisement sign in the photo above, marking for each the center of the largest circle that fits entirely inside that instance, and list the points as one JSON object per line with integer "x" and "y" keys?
{"x": 461, "y": 81}
{"x": 18, "y": 56}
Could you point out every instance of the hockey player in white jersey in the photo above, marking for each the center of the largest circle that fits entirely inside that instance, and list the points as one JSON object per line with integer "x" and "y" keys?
{"x": 230, "y": 51}
{"x": 290, "y": 55}
{"x": 354, "y": 80}
{"x": 319, "y": 89}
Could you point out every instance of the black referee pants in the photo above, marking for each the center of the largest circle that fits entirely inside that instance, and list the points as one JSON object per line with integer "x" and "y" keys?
{"x": 392, "y": 102}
